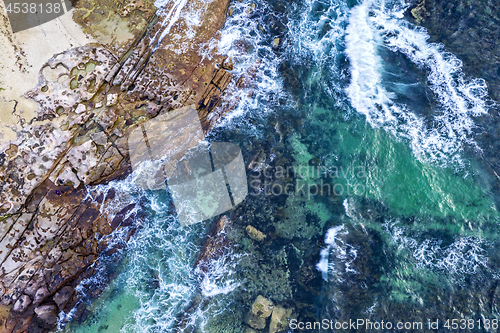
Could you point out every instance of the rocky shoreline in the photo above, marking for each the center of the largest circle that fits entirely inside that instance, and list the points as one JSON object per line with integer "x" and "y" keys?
{"x": 91, "y": 97}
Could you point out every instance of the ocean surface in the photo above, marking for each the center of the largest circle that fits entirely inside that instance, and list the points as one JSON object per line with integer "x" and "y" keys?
{"x": 364, "y": 171}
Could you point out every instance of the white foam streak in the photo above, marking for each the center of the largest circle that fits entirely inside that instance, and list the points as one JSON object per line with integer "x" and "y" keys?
{"x": 126, "y": 193}
{"x": 165, "y": 249}
{"x": 318, "y": 43}
{"x": 342, "y": 251}
{"x": 366, "y": 94}
{"x": 219, "y": 280}
{"x": 169, "y": 19}
{"x": 254, "y": 59}
{"x": 465, "y": 256}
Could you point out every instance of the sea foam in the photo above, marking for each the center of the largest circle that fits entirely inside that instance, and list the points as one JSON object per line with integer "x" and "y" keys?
{"x": 441, "y": 138}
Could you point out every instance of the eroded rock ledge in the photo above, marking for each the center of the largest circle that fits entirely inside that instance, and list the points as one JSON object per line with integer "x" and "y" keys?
{"x": 92, "y": 97}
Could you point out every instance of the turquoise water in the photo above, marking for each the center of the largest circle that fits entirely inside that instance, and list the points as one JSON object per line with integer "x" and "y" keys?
{"x": 367, "y": 180}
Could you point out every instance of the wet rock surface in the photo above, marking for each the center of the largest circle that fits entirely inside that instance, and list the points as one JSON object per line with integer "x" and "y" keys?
{"x": 46, "y": 315}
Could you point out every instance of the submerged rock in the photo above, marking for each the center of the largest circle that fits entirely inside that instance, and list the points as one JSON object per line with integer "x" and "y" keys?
{"x": 250, "y": 330}
{"x": 255, "y": 234}
{"x": 262, "y": 307}
{"x": 279, "y": 319}
{"x": 419, "y": 12}
{"x": 276, "y": 43}
{"x": 255, "y": 321}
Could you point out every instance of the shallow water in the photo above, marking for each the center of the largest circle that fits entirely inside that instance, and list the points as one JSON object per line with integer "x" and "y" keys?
{"x": 383, "y": 211}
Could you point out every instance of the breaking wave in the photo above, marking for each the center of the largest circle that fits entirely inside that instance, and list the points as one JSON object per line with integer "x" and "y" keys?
{"x": 346, "y": 50}
{"x": 257, "y": 87}
{"x": 465, "y": 256}
{"x": 343, "y": 253}
{"x": 439, "y": 137}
